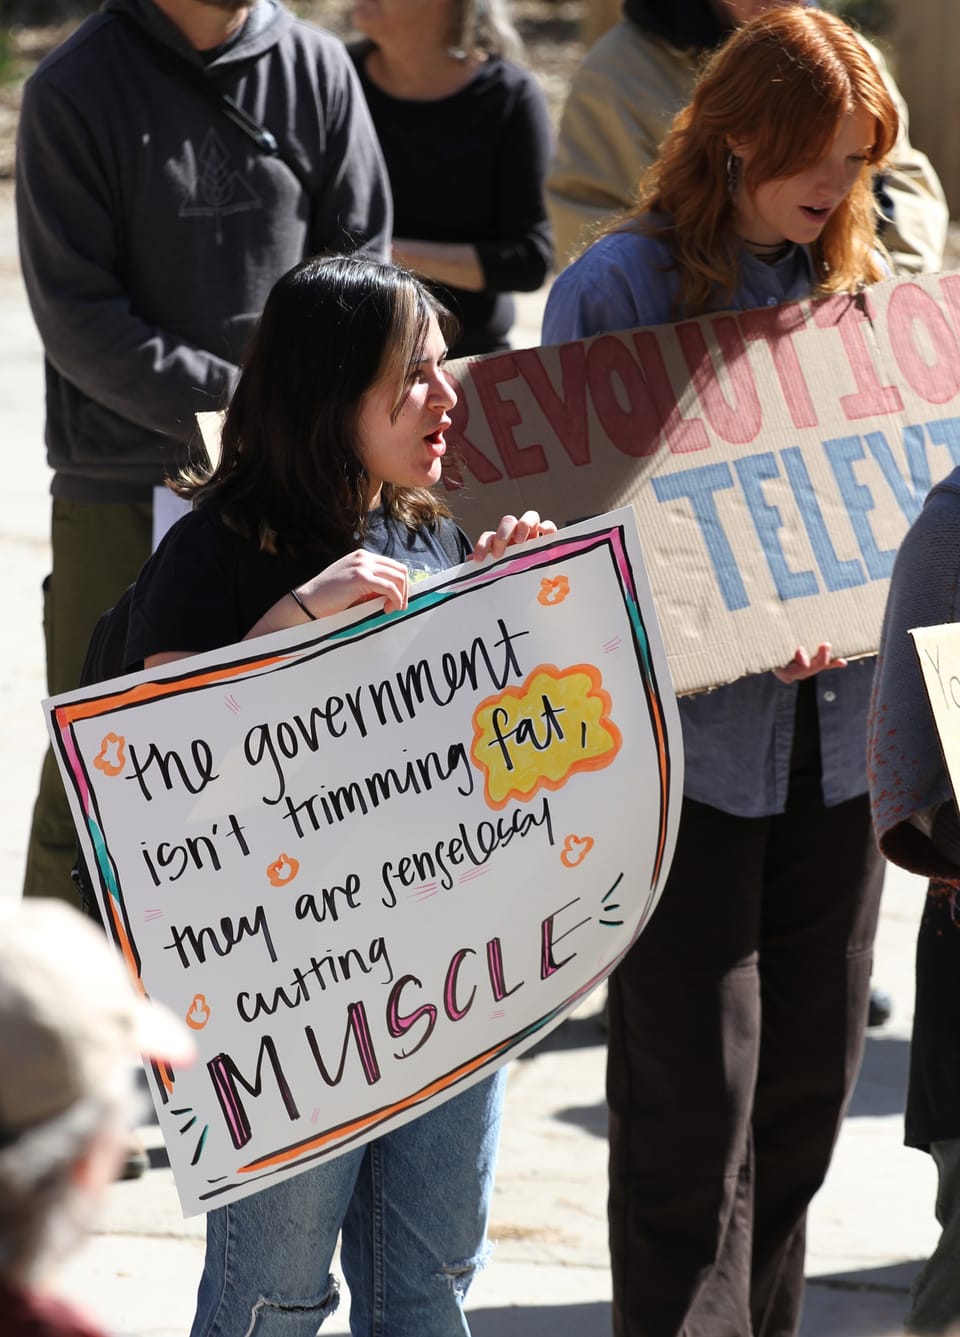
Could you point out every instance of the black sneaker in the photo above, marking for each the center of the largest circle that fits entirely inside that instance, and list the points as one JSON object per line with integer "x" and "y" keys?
{"x": 137, "y": 1162}
{"x": 881, "y": 1005}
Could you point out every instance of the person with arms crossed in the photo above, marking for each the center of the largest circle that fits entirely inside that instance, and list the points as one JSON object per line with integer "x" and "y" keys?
{"x": 447, "y": 95}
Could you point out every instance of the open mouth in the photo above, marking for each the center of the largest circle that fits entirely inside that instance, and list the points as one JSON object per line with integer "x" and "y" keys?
{"x": 816, "y": 215}
{"x": 436, "y": 442}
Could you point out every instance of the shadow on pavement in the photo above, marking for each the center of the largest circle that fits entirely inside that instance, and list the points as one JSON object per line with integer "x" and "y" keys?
{"x": 591, "y": 1118}
{"x": 870, "y": 1303}
{"x": 893, "y": 1279}
{"x": 574, "y": 1033}
{"x": 577, "y": 1320}
{"x": 881, "y": 1088}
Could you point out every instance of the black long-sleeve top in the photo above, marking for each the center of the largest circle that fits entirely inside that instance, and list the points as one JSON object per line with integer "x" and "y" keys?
{"x": 470, "y": 168}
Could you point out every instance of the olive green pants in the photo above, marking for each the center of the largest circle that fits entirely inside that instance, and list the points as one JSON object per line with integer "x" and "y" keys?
{"x": 98, "y": 549}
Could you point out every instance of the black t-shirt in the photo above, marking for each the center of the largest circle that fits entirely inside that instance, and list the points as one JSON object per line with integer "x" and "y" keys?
{"x": 206, "y": 586}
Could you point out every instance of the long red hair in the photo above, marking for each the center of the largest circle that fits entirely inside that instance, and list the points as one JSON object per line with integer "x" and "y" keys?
{"x": 781, "y": 83}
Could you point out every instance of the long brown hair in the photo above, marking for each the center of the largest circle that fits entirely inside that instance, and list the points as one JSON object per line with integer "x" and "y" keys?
{"x": 781, "y": 83}
{"x": 290, "y": 474}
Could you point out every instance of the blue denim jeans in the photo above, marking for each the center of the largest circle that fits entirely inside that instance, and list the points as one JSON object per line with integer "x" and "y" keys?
{"x": 413, "y": 1208}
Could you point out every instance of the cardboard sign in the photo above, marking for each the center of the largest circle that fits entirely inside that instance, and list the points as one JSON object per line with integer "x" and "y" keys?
{"x": 372, "y": 858}
{"x": 938, "y": 649}
{"x": 774, "y": 458}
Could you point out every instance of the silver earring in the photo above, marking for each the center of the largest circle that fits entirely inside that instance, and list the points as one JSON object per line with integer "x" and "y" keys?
{"x": 733, "y": 172}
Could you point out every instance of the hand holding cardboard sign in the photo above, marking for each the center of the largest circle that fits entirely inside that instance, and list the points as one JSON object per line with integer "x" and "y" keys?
{"x": 802, "y": 666}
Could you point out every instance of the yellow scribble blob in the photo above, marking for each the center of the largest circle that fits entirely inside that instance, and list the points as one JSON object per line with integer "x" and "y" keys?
{"x": 539, "y": 734}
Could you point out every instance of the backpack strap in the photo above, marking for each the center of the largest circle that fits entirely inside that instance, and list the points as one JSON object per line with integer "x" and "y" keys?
{"x": 178, "y": 68}
{"x": 448, "y": 536}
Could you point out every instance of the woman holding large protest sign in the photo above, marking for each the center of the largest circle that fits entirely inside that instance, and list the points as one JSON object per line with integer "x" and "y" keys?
{"x": 321, "y": 499}
{"x": 736, "y": 1021}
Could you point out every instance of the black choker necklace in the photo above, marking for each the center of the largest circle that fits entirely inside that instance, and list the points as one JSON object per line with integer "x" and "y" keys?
{"x": 769, "y": 251}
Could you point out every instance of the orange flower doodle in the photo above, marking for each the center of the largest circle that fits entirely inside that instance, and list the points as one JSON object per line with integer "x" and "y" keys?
{"x": 283, "y": 870}
{"x": 198, "y": 1014}
{"x": 575, "y": 850}
{"x": 111, "y": 758}
{"x": 553, "y": 591}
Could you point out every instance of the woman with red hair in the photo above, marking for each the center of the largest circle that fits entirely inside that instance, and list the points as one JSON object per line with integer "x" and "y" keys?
{"x": 737, "y": 1019}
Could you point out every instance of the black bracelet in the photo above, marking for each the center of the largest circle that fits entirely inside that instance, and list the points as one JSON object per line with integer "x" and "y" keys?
{"x": 296, "y": 599}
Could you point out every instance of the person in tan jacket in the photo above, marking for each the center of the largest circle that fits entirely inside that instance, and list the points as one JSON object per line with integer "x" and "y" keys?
{"x": 638, "y": 76}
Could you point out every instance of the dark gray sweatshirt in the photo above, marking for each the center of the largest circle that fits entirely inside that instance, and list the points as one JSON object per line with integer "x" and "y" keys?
{"x": 152, "y": 228}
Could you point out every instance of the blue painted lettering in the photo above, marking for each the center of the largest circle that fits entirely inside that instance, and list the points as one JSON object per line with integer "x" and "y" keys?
{"x": 753, "y": 471}
{"x": 698, "y": 486}
{"x": 843, "y": 452}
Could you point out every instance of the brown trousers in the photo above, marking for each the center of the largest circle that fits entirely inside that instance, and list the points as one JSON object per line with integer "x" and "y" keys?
{"x": 736, "y": 1033}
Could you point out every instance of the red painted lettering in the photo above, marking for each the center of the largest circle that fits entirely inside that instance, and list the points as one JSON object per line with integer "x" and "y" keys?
{"x": 848, "y": 316}
{"x": 461, "y": 451}
{"x": 682, "y": 434}
{"x": 917, "y": 328}
{"x": 950, "y": 287}
{"x": 738, "y": 422}
{"x": 635, "y": 400}
{"x": 776, "y": 327}
{"x": 503, "y": 416}
{"x": 566, "y": 412}
{"x": 622, "y": 398}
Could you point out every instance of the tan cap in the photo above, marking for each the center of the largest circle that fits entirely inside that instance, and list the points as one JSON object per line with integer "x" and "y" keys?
{"x": 69, "y": 1015}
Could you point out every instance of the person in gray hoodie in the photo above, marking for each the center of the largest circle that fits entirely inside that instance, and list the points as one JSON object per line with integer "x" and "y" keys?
{"x": 174, "y": 159}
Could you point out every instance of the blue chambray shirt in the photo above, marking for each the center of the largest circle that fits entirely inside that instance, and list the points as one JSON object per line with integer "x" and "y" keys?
{"x": 737, "y": 740}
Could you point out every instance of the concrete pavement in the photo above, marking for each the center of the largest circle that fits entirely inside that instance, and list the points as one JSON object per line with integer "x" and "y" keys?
{"x": 870, "y": 1226}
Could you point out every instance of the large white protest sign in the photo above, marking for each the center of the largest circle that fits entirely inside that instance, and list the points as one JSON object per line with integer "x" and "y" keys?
{"x": 774, "y": 458}
{"x": 370, "y": 859}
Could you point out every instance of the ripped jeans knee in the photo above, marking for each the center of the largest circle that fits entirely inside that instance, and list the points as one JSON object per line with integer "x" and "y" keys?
{"x": 459, "y": 1275}
{"x": 274, "y": 1316}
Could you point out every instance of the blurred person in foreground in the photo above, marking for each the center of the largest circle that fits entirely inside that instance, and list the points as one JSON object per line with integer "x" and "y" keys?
{"x": 638, "y": 76}
{"x": 71, "y": 1027}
